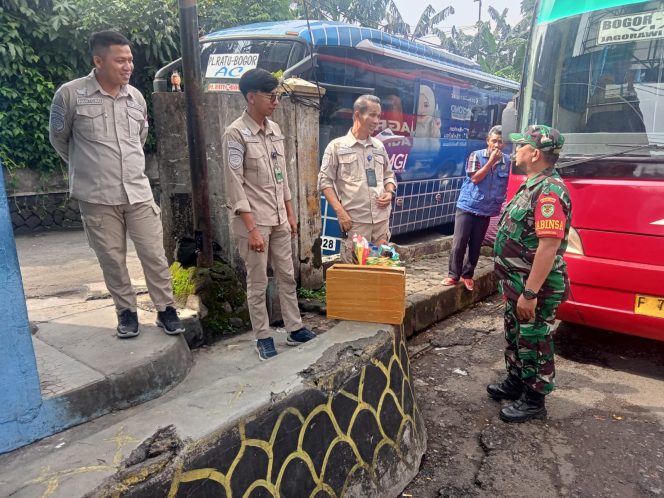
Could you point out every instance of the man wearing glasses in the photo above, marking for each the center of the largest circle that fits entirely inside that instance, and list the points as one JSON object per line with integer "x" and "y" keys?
{"x": 529, "y": 249}
{"x": 263, "y": 221}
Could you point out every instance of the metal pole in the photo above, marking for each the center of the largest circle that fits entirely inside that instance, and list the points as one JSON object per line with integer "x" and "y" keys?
{"x": 479, "y": 15}
{"x": 193, "y": 94}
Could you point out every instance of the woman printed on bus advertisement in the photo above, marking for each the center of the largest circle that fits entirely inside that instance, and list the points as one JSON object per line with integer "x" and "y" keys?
{"x": 428, "y": 121}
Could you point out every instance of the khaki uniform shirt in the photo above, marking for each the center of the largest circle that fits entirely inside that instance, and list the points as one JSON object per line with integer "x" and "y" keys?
{"x": 344, "y": 167}
{"x": 255, "y": 166}
{"x": 101, "y": 138}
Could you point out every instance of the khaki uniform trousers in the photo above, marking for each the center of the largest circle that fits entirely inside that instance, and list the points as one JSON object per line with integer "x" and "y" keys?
{"x": 373, "y": 232}
{"x": 106, "y": 228}
{"x": 279, "y": 254}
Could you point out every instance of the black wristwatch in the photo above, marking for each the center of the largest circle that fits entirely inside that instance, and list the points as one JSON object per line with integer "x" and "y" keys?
{"x": 529, "y": 295}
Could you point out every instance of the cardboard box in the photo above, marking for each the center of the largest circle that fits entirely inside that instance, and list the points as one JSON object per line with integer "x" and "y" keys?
{"x": 366, "y": 293}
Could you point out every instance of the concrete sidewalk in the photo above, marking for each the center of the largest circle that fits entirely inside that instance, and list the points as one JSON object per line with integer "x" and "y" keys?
{"x": 80, "y": 359}
{"x": 79, "y": 356}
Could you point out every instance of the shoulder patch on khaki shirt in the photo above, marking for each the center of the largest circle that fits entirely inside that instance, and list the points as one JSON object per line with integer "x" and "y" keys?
{"x": 235, "y": 154}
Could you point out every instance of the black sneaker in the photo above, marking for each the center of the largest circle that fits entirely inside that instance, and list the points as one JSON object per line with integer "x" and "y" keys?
{"x": 300, "y": 337}
{"x": 265, "y": 348}
{"x": 127, "y": 324}
{"x": 169, "y": 321}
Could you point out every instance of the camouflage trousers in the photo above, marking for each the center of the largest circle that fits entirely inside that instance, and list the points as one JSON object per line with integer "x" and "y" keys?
{"x": 529, "y": 350}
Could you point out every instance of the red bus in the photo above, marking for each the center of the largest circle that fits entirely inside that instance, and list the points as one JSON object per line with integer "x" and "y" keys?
{"x": 595, "y": 71}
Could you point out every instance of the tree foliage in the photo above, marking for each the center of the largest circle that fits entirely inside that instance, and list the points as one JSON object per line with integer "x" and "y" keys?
{"x": 377, "y": 14}
{"x": 43, "y": 43}
{"x": 497, "y": 46}
{"x": 34, "y": 56}
{"x": 215, "y": 14}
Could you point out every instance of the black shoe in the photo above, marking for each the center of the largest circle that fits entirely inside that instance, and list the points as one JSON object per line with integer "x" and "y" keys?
{"x": 169, "y": 321}
{"x": 127, "y": 324}
{"x": 511, "y": 388}
{"x": 300, "y": 337}
{"x": 529, "y": 406}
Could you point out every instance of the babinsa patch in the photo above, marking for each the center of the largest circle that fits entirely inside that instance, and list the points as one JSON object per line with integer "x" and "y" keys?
{"x": 548, "y": 210}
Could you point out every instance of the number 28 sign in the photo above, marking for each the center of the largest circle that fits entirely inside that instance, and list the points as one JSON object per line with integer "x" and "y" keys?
{"x": 230, "y": 65}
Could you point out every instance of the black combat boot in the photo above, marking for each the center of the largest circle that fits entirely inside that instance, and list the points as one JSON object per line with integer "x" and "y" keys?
{"x": 511, "y": 388}
{"x": 529, "y": 405}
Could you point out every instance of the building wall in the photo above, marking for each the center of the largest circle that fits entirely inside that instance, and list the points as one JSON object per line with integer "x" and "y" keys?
{"x": 298, "y": 123}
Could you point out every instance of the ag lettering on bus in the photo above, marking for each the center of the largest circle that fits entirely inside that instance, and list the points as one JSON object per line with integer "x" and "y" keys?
{"x": 231, "y": 66}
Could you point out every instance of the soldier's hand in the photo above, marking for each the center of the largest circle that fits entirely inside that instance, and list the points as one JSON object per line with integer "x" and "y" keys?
{"x": 525, "y": 309}
{"x": 256, "y": 241}
{"x": 293, "y": 226}
{"x": 344, "y": 220}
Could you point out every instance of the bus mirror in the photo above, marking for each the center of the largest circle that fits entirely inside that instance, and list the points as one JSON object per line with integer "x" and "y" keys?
{"x": 509, "y": 119}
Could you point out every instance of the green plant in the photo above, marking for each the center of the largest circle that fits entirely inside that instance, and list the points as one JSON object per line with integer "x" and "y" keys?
{"x": 183, "y": 285}
{"x": 313, "y": 295}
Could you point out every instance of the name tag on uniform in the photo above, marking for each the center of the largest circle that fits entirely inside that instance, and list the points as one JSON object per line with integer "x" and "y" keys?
{"x": 89, "y": 101}
{"x": 371, "y": 178}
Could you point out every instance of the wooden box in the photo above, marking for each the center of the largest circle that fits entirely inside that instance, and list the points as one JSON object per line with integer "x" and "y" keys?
{"x": 366, "y": 293}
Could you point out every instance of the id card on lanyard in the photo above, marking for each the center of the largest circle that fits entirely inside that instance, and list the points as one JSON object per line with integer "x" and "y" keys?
{"x": 371, "y": 173}
{"x": 278, "y": 174}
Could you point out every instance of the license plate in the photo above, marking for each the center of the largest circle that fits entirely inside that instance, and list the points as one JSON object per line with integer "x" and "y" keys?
{"x": 649, "y": 305}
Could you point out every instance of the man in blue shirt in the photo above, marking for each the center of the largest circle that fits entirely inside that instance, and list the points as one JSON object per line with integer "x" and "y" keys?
{"x": 482, "y": 194}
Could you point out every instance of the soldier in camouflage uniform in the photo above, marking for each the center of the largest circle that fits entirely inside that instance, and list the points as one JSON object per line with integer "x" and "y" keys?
{"x": 529, "y": 248}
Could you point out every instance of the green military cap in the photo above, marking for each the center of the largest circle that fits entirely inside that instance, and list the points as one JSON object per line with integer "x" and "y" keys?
{"x": 541, "y": 137}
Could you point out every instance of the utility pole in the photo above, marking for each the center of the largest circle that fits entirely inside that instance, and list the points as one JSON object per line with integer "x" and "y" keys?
{"x": 479, "y": 15}
{"x": 193, "y": 96}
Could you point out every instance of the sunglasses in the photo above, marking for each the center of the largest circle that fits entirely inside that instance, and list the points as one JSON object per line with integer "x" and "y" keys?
{"x": 273, "y": 97}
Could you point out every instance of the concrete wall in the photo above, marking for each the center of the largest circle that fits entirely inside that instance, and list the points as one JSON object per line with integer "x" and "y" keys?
{"x": 40, "y": 202}
{"x": 351, "y": 430}
{"x": 298, "y": 123}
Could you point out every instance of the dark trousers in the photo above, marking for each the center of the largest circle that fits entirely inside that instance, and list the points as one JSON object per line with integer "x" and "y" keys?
{"x": 469, "y": 231}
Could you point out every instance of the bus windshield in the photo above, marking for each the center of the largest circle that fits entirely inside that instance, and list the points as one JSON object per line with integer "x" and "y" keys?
{"x": 224, "y": 61}
{"x": 597, "y": 76}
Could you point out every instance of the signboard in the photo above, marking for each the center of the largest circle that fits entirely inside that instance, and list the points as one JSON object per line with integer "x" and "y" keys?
{"x": 230, "y": 65}
{"x": 223, "y": 87}
{"x": 634, "y": 27}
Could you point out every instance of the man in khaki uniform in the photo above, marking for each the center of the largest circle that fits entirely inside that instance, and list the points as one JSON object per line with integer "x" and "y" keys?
{"x": 98, "y": 125}
{"x": 357, "y": 179}
{"x": 263, "y": 222}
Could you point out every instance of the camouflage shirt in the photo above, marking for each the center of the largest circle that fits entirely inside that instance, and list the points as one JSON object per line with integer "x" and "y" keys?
{"x": 540, "y": 208}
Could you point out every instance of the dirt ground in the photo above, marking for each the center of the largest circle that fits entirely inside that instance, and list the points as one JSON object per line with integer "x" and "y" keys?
{"x": 604, "y": 436}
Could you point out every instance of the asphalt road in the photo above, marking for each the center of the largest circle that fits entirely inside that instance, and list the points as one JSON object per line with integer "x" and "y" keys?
{"x": 604, "y": 436}
{"x": 61, "y": 263}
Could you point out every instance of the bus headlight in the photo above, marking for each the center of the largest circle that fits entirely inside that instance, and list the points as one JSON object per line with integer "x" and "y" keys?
{"x": 574, "y": 245}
